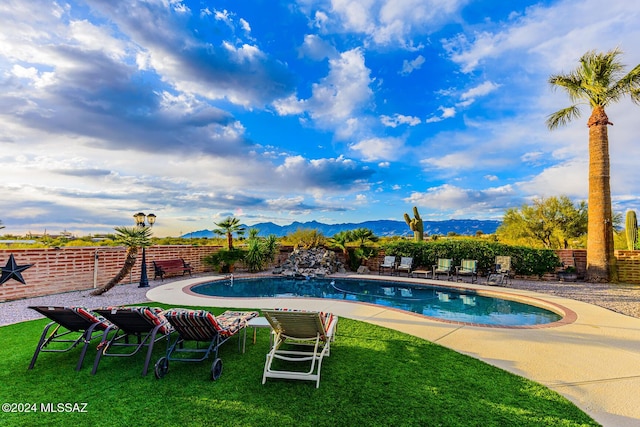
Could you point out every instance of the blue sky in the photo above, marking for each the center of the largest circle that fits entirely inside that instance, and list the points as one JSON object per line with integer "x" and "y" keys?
{"x": 336, "y": 111}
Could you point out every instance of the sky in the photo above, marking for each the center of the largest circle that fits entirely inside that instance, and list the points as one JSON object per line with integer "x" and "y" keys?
{"x": 338, "y": 111}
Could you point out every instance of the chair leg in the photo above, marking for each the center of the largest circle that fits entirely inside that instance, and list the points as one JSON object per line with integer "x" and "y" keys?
{"x": 86, "y": 337}
{"x": 101, "y": 349}
{"x": 41, "y": 343}
{"x": 152, "y": 341}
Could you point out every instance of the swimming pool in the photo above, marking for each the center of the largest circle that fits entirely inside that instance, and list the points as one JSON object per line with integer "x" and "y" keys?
{"x": 449, "y": 304}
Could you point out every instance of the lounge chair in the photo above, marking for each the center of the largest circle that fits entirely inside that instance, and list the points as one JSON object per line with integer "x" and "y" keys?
{"x": 146, "y": 324}
{"x": 468, "y": 267}
{"x": 300, "y": 337}
{"x": 501, "y": 275}
{"x": 444, "y": 266}
{"x": 67, "y": 323}
{"x": 406, "y": 264}
{"x": 195, "y": 326}
{"x": 389, "y": 262}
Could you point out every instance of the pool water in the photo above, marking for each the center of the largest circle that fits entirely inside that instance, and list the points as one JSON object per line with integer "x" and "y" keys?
{"x": 449, "y": 304}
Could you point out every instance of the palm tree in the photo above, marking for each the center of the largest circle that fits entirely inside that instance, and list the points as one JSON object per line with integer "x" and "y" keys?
{"x": 227, "y": 227}
{"x": 132, "y": 238}
{"x": 363, "y": 235}
{"x": 341, "y": 240}
{"x": 598, "y": 80}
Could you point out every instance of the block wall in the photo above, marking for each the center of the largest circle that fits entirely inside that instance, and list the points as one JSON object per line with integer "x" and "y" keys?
{"x": 78, "y": 268}
{"x": 628, "y": 266}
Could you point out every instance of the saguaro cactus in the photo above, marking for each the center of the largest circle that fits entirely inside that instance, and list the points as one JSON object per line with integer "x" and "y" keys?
{"x": 631, "y": 228}
{"x": 415, "y": 224}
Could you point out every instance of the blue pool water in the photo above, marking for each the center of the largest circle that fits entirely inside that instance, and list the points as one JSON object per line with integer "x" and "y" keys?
{"x": 439, "y": 302}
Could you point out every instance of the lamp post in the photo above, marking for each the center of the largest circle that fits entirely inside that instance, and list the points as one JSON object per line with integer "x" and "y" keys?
{"x": 140, "y": 222}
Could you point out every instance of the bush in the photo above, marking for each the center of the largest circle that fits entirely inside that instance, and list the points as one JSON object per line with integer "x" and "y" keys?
{"x": 260, "y": 252}
{"x": 223, "y": 260}
{"x": 524, "y": 261}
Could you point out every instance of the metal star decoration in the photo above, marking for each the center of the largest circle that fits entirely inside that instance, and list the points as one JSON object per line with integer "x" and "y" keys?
{"x": 13, "y": 271}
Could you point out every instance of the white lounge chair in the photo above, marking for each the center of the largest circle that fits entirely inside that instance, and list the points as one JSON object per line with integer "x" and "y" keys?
{"x": 406, "y": 264}
{"x": 300, "y": 337}
{"x": 389, "y": 262}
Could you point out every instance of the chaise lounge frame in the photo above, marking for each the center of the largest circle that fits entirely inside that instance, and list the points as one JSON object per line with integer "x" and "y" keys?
{"x": 65, "y": 322}
{"x": 300, "y": 336}
{"x": 146, "y": 325}
{"x": 197, "y": 326}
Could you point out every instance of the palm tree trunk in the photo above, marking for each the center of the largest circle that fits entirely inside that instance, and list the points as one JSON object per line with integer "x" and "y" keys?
{"x": 129, "y": 262}
{"x": 600, "y": 256}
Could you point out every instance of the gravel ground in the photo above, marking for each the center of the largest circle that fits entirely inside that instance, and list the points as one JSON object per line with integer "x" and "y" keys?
{"x": 623, "y": 299}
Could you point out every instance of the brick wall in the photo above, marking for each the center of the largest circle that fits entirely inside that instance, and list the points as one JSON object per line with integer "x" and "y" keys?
{"x": 576, "y": 258}
{"x": 75, "y": 268}
{"x": 628, "y": 266}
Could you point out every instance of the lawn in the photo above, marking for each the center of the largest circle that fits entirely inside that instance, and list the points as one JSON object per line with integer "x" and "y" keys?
{"x": 374, "y": 377}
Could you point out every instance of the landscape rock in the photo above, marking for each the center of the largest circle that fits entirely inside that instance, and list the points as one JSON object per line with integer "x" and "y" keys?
{"x": 314, "y": 262}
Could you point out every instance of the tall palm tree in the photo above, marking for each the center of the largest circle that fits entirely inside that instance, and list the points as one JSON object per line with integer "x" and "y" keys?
{"x": 598, "y": 80}
{"x": 133, "y": 238}
{"x": 227, "y": 227}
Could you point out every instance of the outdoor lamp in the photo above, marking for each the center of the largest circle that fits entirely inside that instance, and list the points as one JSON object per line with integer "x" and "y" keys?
{"x": 139, "y": 217}
{"x": 140, "y": 222}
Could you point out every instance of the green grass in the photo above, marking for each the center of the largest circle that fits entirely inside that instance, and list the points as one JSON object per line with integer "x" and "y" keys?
{"x": 374, "y": 376}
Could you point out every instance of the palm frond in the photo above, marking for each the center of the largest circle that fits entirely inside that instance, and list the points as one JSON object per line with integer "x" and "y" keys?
{"x": 133, "y": 236}
{"x": 562, "y": 117}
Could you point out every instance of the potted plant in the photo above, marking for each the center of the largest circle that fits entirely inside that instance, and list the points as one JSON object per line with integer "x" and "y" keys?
{"x": 568, "y": 274}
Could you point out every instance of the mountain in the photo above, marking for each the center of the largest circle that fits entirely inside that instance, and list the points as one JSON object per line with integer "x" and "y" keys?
{"x": 381, "y": 228}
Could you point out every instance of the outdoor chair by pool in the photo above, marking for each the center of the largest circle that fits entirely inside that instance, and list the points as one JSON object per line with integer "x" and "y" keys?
{"x": 468, "y": 267}
{"x": 71, "y": 326}
{"x": 302, "y": 338}
{"x": 145, "y": 325}
{"x": 389, "y": 263}
{"x": 501, "y": 274}
{"x": 406, "y": 264}
{"x": 444, "y": 266}
{"x": 196, "y": 326}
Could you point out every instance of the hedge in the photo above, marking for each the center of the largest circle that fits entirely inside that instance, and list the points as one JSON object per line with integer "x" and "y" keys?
{"x": 524, "y": 261}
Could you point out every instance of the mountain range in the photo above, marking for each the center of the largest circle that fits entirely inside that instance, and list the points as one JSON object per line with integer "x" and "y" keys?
{"x": 381, "y": 228}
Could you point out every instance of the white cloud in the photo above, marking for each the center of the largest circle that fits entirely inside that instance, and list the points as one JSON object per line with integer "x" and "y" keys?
{"x": 548, "y": 36}
{"x": 463, "y": 201}
{"x": 245, "y": 25}
{"x": 373, "y": 149}
{"x": 317, "y": 49}
{"x": 386, "y": 22}
{"x": 447, "y": 113}
{"x": 409, "y": 66}
{"x": 568, "y": 178}
{"x": 338, "y": 98}
{"x": 455, "y": 160}
{"x": 483, "y": 89}
{"x": 399, "y": 119}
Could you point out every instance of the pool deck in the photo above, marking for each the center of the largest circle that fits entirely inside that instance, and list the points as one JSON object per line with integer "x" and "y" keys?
{"x": 593, "y": 359}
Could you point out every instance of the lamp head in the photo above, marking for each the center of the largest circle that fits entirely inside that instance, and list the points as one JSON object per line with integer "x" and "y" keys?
{"x": 139, "y": 217}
